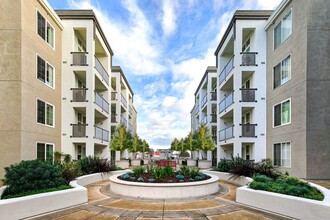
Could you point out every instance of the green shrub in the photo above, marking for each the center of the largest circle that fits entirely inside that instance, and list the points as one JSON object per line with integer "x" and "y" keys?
{"x": 223, "y": 165}
{"x": 169, "y": 171}
{"x": 180, "y": 177}
{"x": 184, "y": 170}
{"x": 193, "y": 173}
{"x": 125, "y": 176}
{"x": 90, "y": 164}
{"x": 159, "y": 173}
{"x": 137, "y": 171}
{"x": 32, "y": 175}
{"x": 70, "y": 171}
{"x": 140, "y": 179}
{"x": 150, "y": 169}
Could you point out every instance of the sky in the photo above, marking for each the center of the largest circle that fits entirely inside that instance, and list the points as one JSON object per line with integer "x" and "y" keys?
{"x": 164, "y": 48}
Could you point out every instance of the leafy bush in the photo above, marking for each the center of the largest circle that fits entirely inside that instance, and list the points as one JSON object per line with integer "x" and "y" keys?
{"x": 140, "y": 179}
{"x": 137, "y": 171}
{"x": 180, "y": 177}
{"x": 198, "y": 178}
{"x": 90, "y": 164}
{"x": 70, "y": 171}
{"x": 223, "y": 165}
{"x": 193, "y": 173}
{"x": 286, "y": 185}
{"x": 150, "y": 169}
{"x": 184, "y": 170}
{"x": 32, "y": 175}
{"x": 33, "y": 192}
{"x": 125, "y": 176}
{"x": 169, "y": 171}
{"x": 159, "y": 173}
{"x": 132, "y": 178}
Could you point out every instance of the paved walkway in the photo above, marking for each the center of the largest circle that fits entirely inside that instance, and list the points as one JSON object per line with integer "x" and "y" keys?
{"x": 104, "y": 204}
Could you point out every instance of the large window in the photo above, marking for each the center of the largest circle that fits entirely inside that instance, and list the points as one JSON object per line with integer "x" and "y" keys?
{"x": 45, "y": 72}
{"x": 45, "y": 30}
{"x": 282, "y": 113}
{"x": 283, "y": 30}
{"x": 282, "y": 72}
{"x": 45, "y": 113}
{"x": 45, "y": 151}
{"x": 282, "y": 154}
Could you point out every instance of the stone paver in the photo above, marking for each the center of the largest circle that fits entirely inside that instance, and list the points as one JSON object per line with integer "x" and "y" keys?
{"x": 103, "y": 204}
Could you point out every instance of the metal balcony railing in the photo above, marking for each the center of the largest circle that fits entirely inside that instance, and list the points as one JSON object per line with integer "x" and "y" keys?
{"x": 101, "y": 134}
{"x": 123, "y": 120}
{"x": 79, "y": 58}
{"x": 213, "y": 118}
{"x": 130, "y": 110}
{"x": 79, "y": 130}
{"x": 197, "y": 109}
{"x": 213, "y": 96}
{"x": 204, "y": 101}
{"x": 226, "y": 70}
{"x": 123, "y": 101}
{"x": 249, "y": 58}
{"x": 204, "y": 120}
{"x": 226, "y": 102}
{"x": 226, "y": 133}
{"x": 113, "y": 96}
{"x": 113, "y": 118}
{"x": 248, "y": 95}
{"x": 79, "y": 94}
{"x": 100, "y": 101}
{"x": 248, "y": 130}
{"x": 102, "y": 71}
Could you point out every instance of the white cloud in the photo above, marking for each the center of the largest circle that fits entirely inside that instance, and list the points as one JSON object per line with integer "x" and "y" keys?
{"x": 169, "y": 17}
{"x": 260, "y": 4}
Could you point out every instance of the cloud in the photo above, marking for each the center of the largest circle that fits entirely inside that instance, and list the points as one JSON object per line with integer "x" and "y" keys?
{"x": 260, "y": 4}
{"x": 169, "y": 17}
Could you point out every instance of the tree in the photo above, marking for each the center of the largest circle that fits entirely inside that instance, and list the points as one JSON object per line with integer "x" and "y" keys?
{"x": 121, "y": 140}
{"x": 175, "y": 145}
{"x": 136, "y": 145}
{"x": 190, "y": 142}
{"x": 144, "y": 147}
{"x": 204, "y": 139}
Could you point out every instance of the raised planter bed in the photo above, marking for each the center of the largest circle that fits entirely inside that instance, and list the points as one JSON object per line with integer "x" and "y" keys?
{"x": 122, "y": 164}
{"x": 136, "y": 162}
{"x": 191, "y": 163}
{"x": 164, "y": 190}
{"x": 204, "y": 164}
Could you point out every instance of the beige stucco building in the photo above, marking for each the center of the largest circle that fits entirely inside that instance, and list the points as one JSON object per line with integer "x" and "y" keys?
{"x": 30, "y": 81}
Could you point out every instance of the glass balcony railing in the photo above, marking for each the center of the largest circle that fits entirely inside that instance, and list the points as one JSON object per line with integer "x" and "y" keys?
{"x": 226, "y": 102}
{"x": 79, "y": 94}
{"x": 226, "y": 133}
{"x": 101, "y": 134}
{"x": 204, "y": 120}
{"x": 248, "y": 130}
{"x": 102, "y": 71}
{"x": 123, "y": 120}
{"x": 123, "y": 101}
{"x": 204, "y": 101}
{"x": 100, "y": 101}
{"x": 79, "y": 58}
{"x": 130, "y": 110}
{"x": 197, "y": 109}
{"x": 249, "y": 58}
{"x": 248, "y": 95}
{"x": 79, "y": 130}
{"x": 130, "y": 127}
{"x": 226, "y": 70}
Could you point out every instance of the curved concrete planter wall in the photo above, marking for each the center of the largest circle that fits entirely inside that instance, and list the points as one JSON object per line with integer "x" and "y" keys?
{"x": 204, "y": 164}
{"x": 164, "y": 190}
{"x": 240, "y": 181}
{"x": 191, "y": 163}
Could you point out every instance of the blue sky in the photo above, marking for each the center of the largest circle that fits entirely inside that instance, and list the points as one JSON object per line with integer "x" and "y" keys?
{"x": 164, "y": 47}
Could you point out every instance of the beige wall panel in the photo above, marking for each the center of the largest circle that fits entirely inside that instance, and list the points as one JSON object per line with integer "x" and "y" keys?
{"x": 10, "y": 14}
{"x": 10, "y": 148}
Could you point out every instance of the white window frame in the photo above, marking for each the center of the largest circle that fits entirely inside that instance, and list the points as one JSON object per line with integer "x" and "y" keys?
{"x": 280, "y": 23}
{"x": 46, "y": 63}
{"x": 289, "y": 76}
{"x": 289, "y": 99}
{"x": 45, "y": 143}
{"x": 54, "y": 113}
{"x": 47, "y": 23}
{"x": 281, "y": 143}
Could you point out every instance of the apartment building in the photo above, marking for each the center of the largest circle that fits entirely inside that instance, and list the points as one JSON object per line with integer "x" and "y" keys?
{"x": 87, "y": 60}
{"x": 205, "y": 108}
{"x": 241, "y": 87}
{"x": 298, "y": 88}
{"x": 30, "y": 81}
{"x": 122, "y": 108}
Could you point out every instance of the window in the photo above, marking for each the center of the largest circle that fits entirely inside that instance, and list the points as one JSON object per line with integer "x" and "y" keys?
{"x": 283, "y": 30}
{"x": 45, "y": 30}
{"x": 282, "y": 113}
{"x": 282, "y": 154}
{"x": 45, "y": 151}
{"x": 282, "y": 72}
{"x": 45, "y": 113}
{"x": 45, "y": 72}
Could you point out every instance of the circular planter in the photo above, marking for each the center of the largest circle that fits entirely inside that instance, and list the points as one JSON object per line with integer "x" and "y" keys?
{"x": 204, "y": 164}
{"x": 164, "y": 190}
{"x": 191, "y": 163}
{"x": 122, "y": 164}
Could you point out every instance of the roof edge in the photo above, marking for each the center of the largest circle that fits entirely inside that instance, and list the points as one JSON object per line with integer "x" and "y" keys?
{"x": 119, "y": 69}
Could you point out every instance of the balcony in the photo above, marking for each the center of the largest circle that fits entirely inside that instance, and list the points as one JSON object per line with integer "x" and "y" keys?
{"x": 79, "y": 130}
{"x": 204, "y": 120}
{"x": 113, "y": 118}
{"x": 204, "y": 100}
{"x": 248, "y": 95}
{"x": 213, "y": 96}
{"x": 101, "y": 134}
{"x": 123, "y": 101}
{"x": 100, "y": 101}
{"x": 99, "y": 67}
{"x": 249, "y": 59}
{"x": 226, "y": 102}
{"x": 79, "y": 59}
{"x": 226, "y": 133}
{"x": 213, "y": 118}
{"x": 226, "y": 70}
{"x": 197, "y": 109}
{"x": 130, "y": 110}
{"x": 113, "y": 96}
{"x": 123, "y": 120}
{"x": 130, "y": 127}
{"x": 214, "y": 137}
{"x": 248, "y": 130}
{"x": 79, "y": 95}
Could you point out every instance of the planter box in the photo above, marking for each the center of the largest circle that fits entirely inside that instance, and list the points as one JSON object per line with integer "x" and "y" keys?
{"x": 191, "y": 163}
{"x": 180, "y": 161}
{"x": 122, "y": 164}
{"x": 204, "y": 164}
{"x": 145, "y": 162}
{"x": 136, "y": 162}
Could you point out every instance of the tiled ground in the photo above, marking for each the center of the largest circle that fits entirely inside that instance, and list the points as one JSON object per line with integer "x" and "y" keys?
{"x": 103, "y": 204}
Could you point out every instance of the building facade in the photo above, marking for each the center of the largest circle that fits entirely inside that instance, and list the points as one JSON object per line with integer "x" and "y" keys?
{"x": 87, "y": 58}
{"x": 205, "y": 108}
{"x": 241, "y": 87}
{"x": 30, "y": 81}
{"x": 298, "y": 88}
